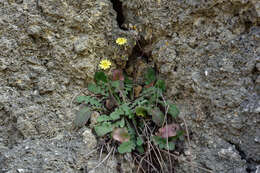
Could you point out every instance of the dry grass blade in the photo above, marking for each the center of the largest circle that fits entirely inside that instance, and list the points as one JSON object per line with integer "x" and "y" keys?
{"x": 149, "y": 163}
{"x": 101, "y": 151}
{"x": 100, "y": 163}
{"x": 188, "y": 137}
{"x": 91, "y": 152}
{"x": 165, "y": 121}
{"x": 150, "y": 145}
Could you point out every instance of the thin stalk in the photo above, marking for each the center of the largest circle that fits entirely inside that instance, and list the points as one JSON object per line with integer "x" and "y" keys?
{"x": 111, "y": 94}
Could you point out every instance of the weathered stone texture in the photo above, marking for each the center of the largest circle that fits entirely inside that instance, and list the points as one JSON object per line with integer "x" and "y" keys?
{"x": 49, "y": 50}
{"x": 208, "y": 52}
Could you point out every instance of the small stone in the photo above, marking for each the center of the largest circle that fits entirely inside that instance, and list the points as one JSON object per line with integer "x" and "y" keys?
{"x": 187, "y": 152}
{"x": 229, "y": 153}
{"x": 257, "y": 139}
{"x": 93, "y": 118}
{"x": 46, "y": 84}
{"x": 20, "y": 170}
{"x": 34, "y": 30}
{"x": 257, "y": 169}
{"x": 26, "y": 127}
{"x": 81, "y": 44}
{"x": 89, "y": 139}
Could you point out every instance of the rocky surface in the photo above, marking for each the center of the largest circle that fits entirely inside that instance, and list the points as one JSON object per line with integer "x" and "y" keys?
{"x": 208, "y": 51}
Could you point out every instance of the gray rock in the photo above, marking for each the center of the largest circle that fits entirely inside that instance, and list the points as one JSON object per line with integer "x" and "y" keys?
{"x": 89, "y": 139}
{"x": 257, "y": 169}
{"x": 207, "y": 51}
{"x": 26, "y": 127}
{"x": 81, "y": 44}
{"x": 45, "y": 156}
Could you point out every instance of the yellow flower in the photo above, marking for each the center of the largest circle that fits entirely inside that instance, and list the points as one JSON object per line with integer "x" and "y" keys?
{"x": 105, "y": 64}
{"x": 121, "y": 41}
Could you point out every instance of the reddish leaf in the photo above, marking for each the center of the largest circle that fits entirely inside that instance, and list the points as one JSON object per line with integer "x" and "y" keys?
{"x": 118, "y": 75}
{"x": 149, "y": 85}
{"x": 168, "y": 130}
{"x": 121, "y": 135}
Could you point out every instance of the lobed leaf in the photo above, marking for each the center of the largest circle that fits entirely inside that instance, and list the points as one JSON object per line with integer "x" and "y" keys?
{"x": 140, "y": 111}
{"x": 100, "y": 76}
{"x": 103, "y": 128}
{"x": 103, "y": 118}
{"x": 162, "y": 143}
{"x": 173, "y": 110}
{"x": 139, "y": 141}
{"x": 160, "y": 84}
{"x": 88, "y": 100}
{"x": 126, "y": 147}
{"x": 94, "y": 88}
{"x": 116, "y": 114}
{"x": 149, "y": 76}
{"x": 127, "y": 110}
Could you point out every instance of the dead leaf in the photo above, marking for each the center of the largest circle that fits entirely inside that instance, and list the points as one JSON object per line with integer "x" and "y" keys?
{"x": 168, "y": 130}
{"x": 110, "y": 103}
{"x": 121, "y": 135}
{"x": 137, "y": 90}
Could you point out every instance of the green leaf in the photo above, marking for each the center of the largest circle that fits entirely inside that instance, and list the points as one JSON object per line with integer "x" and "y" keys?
{"x": 104, "y": 90}
{"x": 127, "y": 110}
{"x": 153, "y": 99}
{"x": 149, "y": 76}
{"x": 139, "y": 141}
{"x": 157, "y": 116}
{"x": 148, "y": 92}
{"x": 162, "y": 143}
{"x": 82, "y": 117}
{"x": 100, "y": 76}
{"x": 179, "y": 135}
{"x": 140, "y": 111}
{"x": 126, "y": 147}
{"x": 103, "y": 118}
{"x": 103, "y": 128}
{"x": 173, "y": 110}
{"x": 120, "y": 123}
{"x": 140, "y": 149}
{"x": 95, "y": 88}
{"x": 80, "y": 99}
{"x": 116, "y": 114}
{"x": 160, "y": 84}
{"x": 88, "y": 100}
{"x": 130, "y": 129}
{"x": 94, "y": 102}
{"x": 115, "y": 84}
{"x": 127, "y": 80}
